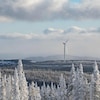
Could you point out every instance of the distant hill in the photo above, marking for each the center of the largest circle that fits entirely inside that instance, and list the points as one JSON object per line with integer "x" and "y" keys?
{"x": 60, "y": 57}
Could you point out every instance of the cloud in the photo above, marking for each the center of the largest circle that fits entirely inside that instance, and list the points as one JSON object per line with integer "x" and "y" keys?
{"x": 75, "y": 29}
{"x": 94, "y": 30}
{"x": 52, "y": 33}
{"x": 5, "y": 19}
{"x": 39, "y": 10}
{"x": 72, "y": 30}
{"x": 15, "y": 36}
{"x": 52, "y": 30}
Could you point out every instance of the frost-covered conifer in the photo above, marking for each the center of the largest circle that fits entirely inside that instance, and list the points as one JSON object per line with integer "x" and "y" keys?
{"x": 75, "y": 92}
{"x": 71, "y": 82}
{"x": 72, "y": 78}
{"x": 95, "y": 84}
{"x": 37, "y": 91}
{"x": 12, "y": 87}
{"x": 62, "y": 92}
{"x": 83, "y": 86}
{"x": 96, "y": 72}
{"x": 9, "y": 88}
{"x": 0, "y": 74}
{"x": 81, "y": 71}
{"x": 16, "y": 91}
{"x": 34, "y": 92}
{"x": 53, "y": 92}
{"x": 3, "y": 88}
{"x": 22, "y": 82}
{"x": 48, "y": 95}
{"x": 80, "y": 86}
{"x": 43, "y": 91}
{"x": 62, "y": 82}
{"x": 92, "y": 88}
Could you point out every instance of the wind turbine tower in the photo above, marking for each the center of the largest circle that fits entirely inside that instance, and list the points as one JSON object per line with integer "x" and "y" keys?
{"x": 64, "y": 43}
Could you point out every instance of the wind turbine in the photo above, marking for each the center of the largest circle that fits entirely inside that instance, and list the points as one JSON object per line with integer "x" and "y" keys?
{"x": 64, "y": 43}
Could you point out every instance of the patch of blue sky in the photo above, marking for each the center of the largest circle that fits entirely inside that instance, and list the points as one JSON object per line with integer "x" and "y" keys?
{"x": 75, "y": 1}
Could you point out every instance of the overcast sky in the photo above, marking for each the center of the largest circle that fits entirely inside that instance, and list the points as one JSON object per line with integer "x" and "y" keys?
{"x": 38, "y": 27}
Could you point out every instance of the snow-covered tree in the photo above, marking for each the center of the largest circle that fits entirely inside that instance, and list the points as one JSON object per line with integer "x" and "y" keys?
{"x": 92, "y": 88}
{"x": 96, "y": 72}
{"x": 0, "y": 74}
{"x": 83, "y": 86}
{"x": 80, "y": 85}
{"x": 71, "y": 82}
{"x": 34, "y": 92}
{"x": 75, "y": 90}
{"x": 62, "y": 91}
{"x": 16, "y": 91}
{"x": 53, "y": 92}
{"x": 43, "y": 91}
{"x": 12, "y": 87}
{"x": 3, "y": 88}
{"x": 72, "y": 74}
{"x": 95, "y": 84}
{"x": 8, "y": 88}
{"x": 62, "y": 82}
{"x": 22, "y": 82}
{"x": 48, "y": 90}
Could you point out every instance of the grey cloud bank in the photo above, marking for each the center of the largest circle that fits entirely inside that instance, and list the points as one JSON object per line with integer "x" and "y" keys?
{"x": 39, "y": 10}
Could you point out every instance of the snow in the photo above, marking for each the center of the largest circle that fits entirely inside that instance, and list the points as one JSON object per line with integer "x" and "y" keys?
{"x": 16, "y": 87}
